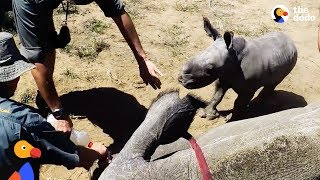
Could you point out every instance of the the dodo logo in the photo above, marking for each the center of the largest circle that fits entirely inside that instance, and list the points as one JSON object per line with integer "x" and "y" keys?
{"x": 22, "y": 149}
{"x": 280, "y": 14}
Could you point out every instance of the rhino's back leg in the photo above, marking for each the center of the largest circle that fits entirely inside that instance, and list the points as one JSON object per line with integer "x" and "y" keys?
{"x": 266, "y": 92}
{"x": 240, "y": 105}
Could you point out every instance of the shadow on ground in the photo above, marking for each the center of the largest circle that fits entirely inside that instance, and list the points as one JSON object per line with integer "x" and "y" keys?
{"x": 278, "y": 101}
{"x": 117, "y": 113}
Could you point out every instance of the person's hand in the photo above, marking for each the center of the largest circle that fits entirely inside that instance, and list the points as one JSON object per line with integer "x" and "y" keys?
{"x": 148, "y": 73}
{"x": 64, "y": 124}
{"x": 89, "y": 155}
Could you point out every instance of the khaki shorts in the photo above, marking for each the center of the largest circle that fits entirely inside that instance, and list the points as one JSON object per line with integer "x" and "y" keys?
{"x": 35, "y": 25}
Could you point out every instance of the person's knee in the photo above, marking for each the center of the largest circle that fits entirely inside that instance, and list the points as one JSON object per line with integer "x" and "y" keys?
{"x": 42, "y": 72}
{"x": 45, "y": 65}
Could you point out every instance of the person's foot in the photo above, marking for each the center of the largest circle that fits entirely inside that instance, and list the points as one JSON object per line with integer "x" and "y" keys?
{"x": 97, "y": 152}
{"x": 99, "y": 148}
{"x": 98, "y": 166}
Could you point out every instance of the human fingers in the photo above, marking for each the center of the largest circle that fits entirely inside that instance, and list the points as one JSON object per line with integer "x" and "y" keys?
{"x": 158, "y": 71}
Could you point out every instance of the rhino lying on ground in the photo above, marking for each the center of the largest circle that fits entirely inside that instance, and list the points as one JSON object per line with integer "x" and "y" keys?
{"x": 243, "y": 65}
{"x": 284, "y": 145}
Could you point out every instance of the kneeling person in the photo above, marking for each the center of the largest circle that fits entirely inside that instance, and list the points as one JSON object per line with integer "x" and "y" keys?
{"x": 21, "y": 122}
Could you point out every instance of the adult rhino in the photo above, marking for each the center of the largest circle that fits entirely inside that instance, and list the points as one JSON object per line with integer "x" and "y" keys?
{"x": 284, "y": 145}
{"x": 243, "y": 65}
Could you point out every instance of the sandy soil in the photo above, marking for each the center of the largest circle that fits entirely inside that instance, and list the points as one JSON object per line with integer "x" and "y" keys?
{"x": 105, "y": 93}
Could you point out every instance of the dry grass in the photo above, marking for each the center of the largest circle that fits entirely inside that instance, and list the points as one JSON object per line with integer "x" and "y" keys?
{"x": 187, "y": 7}
{"x": 28, "y": 96}
{"x": 96, "y": 26}
{"x": 175, "y": 39}
{"x": 89, "y": 50}
{"x": 68, "y": 73}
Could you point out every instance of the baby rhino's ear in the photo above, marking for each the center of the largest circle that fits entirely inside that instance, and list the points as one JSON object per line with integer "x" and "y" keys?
{"x": 209, "y": 29}
{"x": 228, "y": 38}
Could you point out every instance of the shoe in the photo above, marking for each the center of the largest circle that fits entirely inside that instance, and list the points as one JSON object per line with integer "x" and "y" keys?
{"x": 44, "y": 109}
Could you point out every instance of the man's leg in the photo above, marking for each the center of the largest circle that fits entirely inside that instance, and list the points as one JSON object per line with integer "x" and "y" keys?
{"x": 43, "y": 75}
{"x": 37, "y": 33}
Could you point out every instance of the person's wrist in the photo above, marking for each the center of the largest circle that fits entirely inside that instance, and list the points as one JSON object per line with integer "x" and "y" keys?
{"x": 141, "y": 57}
{"x": 59, "y": 113}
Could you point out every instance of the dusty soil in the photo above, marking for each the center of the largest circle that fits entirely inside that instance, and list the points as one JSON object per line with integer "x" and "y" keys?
{"x": 104, "y": 91}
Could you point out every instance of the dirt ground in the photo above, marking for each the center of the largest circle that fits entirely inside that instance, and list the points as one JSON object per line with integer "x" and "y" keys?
{"x": 99, "y": 80}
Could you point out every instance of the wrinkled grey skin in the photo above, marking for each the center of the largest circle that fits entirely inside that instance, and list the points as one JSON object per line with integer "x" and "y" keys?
{"x": 283, "y": 145}
{"x": 243, "y": 65}
{"x": 133, "y": 161}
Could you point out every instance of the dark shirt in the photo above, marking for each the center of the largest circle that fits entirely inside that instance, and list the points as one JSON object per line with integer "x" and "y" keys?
{"x": 35, "y": 25}
{"x": 21, "y": 122}
{"x": 6, "y": 5}
{"x": 109, "y": 7}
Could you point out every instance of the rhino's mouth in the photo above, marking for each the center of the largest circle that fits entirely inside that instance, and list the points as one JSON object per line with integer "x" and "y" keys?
{"x": 191, "y": 82}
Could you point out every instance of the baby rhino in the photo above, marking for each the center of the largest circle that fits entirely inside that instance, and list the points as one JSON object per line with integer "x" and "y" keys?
{"x": 243, "y": 65}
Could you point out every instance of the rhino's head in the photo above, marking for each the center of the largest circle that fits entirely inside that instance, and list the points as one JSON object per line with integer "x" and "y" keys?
{"x": 205, "y": 67}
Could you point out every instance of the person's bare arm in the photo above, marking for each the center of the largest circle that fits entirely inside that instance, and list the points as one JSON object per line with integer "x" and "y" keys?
{"x": 147, "y": 69}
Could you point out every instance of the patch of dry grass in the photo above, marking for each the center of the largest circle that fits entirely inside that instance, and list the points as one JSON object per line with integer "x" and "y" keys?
{"x": 186, "y": 7}
{"x": 70, "y": 74}
{"x": 27, "y": 96}
{"x": 175, "y": 39}
{"x": 89, "y": 49}
{"x": 96, "y": 26}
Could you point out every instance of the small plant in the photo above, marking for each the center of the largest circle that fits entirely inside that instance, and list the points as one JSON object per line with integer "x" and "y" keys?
{"x": 86, "y": 52}
{"x": 27, "y": 97}
{"x": 91, "y": 50}
{"x": 176, "y": 39}
{"x": 186, "y": 7}
{"x": 68, "y": 49}
{"x": 100, "y": 45}
{"x": 70, "y": 74}
{"x": 97, "y": 26}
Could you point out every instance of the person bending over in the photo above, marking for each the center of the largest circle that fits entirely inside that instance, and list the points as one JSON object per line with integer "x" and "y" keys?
{"x": 35, "y": 27}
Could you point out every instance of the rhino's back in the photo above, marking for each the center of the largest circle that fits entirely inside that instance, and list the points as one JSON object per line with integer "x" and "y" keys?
{"x": 283, "y": 145}
{"x": 269, "y": 58}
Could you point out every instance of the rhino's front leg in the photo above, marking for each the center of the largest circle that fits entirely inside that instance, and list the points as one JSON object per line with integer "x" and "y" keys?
{"x": 211, "y": 111}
